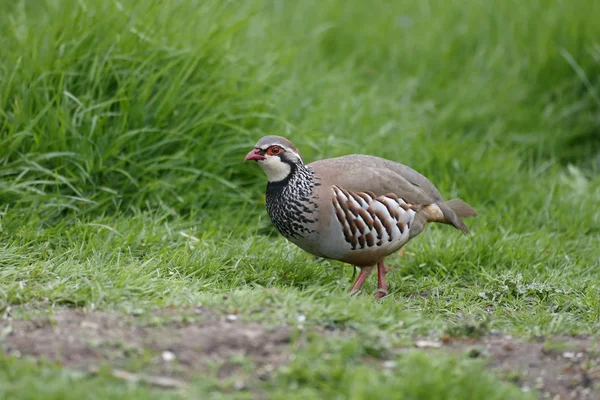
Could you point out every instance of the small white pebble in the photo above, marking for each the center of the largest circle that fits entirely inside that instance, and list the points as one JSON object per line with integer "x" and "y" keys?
{"x": 90, "y": 325}
{"x": 232, "y": 317}
{"x": 269, "y": 368}
{"x": 301, "y": 318}
{"x": 568, "y": 354}
{"x": 239, "y": 385}
{"x": 168, "y": 356}
{"x": 389, "y": 364}
{"x": 428, "y": 343}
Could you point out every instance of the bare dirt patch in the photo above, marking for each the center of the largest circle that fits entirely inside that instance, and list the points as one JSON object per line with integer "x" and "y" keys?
{"x": 169, "y": 347}
{"x": 156, "y": 344}
{"x": 559, "y": 368}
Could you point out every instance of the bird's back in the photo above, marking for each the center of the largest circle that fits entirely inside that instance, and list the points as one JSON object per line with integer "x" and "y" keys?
{"x": 359, "y": 172}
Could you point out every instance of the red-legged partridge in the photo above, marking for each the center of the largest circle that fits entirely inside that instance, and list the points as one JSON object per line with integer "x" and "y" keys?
{"x": 357, "y": 209}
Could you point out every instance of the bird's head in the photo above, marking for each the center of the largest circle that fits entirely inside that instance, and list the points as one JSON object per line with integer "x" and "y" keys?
{"x": 276, "y": 155}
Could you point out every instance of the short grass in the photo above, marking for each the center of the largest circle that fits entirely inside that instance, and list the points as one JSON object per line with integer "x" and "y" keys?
{"x": 123, "y": 126}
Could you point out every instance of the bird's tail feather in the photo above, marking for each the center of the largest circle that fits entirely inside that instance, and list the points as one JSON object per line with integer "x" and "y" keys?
{"x": 461, "y": 209}
{"x": 456, "y": 209}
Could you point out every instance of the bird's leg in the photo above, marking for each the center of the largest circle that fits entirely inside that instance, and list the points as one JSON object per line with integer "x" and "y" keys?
{"x": 360, "y": 281}
{"x": 382, "y": 286}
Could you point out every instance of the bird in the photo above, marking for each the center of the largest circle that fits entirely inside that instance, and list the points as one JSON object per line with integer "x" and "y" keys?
{"x": 357, "y": 209}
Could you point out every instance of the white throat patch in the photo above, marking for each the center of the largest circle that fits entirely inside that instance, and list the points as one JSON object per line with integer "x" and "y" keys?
{"x": 275, "y": 169}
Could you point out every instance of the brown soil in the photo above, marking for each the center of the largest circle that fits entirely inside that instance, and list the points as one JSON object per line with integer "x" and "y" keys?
{"x": 171, "y": 346}
{"x": 560, "y": 367}
{"x": 176, "y": 346}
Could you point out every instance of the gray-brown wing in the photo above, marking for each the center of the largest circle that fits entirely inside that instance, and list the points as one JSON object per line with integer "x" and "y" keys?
{"x": 367, "y": 173}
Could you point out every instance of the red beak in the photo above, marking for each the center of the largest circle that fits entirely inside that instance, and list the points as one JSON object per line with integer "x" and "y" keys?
{"x": 254, "y": 155}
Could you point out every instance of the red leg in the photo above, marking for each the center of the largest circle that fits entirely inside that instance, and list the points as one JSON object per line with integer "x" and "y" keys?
{"x": 382, "y": 286}
{"x": 360, "y": 281}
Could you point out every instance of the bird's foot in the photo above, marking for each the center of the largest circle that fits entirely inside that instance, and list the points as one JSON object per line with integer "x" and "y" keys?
{"x": 360, "y": 281}
{"x": 381, "y": 293}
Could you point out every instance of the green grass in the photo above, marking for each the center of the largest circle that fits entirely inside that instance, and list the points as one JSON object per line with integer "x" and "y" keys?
{"x": 28, "y": 380}
{"x": 413, "y": 376}
{"x": 125, "y": 123}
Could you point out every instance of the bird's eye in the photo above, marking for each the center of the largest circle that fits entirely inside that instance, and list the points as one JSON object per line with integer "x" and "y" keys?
{"x": 274, "y": 150}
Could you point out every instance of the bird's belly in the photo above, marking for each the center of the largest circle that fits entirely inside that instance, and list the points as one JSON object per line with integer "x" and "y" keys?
{"x": 334, "y": 246}
{"x": 309, "y": 243}
{"x": 370, "y": 256}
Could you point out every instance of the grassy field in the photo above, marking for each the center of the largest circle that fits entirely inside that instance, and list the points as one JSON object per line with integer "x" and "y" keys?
{"x": 123, "y": 126}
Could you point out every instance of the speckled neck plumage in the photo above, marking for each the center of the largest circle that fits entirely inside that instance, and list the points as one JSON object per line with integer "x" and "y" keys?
{"x": 289, "y": 202}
